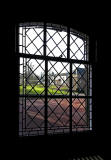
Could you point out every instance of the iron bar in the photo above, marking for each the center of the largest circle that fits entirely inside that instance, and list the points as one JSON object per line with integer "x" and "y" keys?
{"x": 46, "y": 79}
{"x": 49, "y": 58}
{"x": 68, "y": 43}
{"x": 53, "y": 96}
{"x": 70, "y": 88}
{"x": 25, "y": 75}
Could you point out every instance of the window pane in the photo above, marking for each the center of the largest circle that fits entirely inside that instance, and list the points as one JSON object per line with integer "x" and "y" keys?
{"x": 81, "y": 114}
{"x": 78, "y": 48}
{"x": 80, "y": 79}
{"x": 31, "y": 40}
{"x": 32, "y": 76}
{"x": 58, "y": 78}
{"x": 31, "y": 116}
{"x": 58, "y": 115}
{"x": 56, "y": 43}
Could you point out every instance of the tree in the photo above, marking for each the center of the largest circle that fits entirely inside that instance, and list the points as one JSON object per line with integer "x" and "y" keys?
{"x": 29, "y": 75}
{"x": 29, "y": 69}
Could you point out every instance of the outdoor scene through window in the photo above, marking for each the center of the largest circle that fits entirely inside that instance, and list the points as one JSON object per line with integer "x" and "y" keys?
{"x": 55, "y": 80}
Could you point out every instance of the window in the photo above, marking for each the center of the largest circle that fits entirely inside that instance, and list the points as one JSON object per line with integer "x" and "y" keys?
{"x": 55, "y": 80}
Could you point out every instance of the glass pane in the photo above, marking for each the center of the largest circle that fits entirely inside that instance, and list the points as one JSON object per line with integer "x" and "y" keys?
{"x": 78, "y": 48}
{"x": 31, "y": 40}
{"x": 58, "y": 78}
{"x": 81, "y": 114}
{"x": 32, "y": 76}
{"x": 80, "y": 79}
{"x": 31, "y": 116}
{"x": 58, "y": 115}
{"x": 56, "y": 43}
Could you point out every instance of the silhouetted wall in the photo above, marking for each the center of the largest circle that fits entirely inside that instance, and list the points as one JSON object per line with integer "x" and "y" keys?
{"x": 63, "y": 145}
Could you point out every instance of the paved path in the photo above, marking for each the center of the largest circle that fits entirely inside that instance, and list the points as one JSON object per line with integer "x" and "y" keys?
{"x": 58, "y": 112}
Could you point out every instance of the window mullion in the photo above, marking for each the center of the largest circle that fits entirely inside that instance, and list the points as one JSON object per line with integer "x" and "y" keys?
{"x": 46, "y": 79}
{"x": 68, "y": 43}
{"x": 70, "y": 79}
{"x": 25, "y": 86}
{"x": 70, "y": 90}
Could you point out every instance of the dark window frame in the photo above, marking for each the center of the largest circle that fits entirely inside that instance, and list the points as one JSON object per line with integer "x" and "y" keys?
{"x": 91, "y": 62}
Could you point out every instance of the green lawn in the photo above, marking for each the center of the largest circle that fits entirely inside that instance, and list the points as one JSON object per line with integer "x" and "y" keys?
{"x": 52, "y": 91}
{"x": 40, "y": 90}
{"x": 30, "y": 90}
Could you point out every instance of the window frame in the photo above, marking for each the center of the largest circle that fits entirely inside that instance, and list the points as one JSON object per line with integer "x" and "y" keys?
{"x": 46, "y": 59}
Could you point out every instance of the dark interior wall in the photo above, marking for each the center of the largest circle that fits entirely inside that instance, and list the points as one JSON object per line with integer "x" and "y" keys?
{"x": 86, "y": 143}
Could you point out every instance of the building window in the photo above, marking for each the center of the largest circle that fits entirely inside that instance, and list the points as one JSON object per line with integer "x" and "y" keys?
{"x": 55, "y": 80}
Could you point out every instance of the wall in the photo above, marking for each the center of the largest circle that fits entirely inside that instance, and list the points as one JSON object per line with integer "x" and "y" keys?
{"x": 85, "y": 143}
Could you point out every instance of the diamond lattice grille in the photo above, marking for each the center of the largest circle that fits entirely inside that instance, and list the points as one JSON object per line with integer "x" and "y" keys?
{"x": 58, "y": 79}
{"x": 56, "y": 43}
{"x": 32, "y": 81}
{"x": 58, "y": 114}
{"x": 79, "y": 112}
{"x": 80, "y": 79}
{"x": 77, "y": 48}
{"x": 55, "y": 80}
{"x": 33, "y": 114}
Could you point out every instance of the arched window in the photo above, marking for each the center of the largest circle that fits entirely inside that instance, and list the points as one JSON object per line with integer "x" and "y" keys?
{"x": 55, "y": 80}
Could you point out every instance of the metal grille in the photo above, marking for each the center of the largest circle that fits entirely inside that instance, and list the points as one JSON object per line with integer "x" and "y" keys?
{"x": 88, "y": 158}
{"x": 55, "y": 80}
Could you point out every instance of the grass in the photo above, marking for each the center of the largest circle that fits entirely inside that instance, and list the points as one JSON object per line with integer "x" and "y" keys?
{"x": 30, "y": 90}
{"x": 53, "y": 90}
{"x": 40, "y": 90}
{"x": 50, "y": 91}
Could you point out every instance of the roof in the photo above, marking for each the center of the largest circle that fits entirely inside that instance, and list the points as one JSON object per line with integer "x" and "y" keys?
{"x": 80, "y": 71}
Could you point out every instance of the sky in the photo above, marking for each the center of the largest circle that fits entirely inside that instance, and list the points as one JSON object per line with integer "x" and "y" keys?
{"x": 36, "y": 36}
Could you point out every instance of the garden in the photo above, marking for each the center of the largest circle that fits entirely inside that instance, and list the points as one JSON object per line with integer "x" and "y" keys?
{"x": 40, "y": 89}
